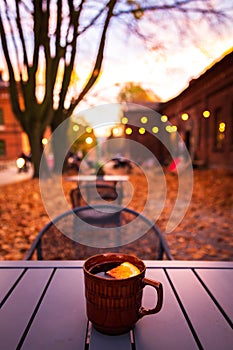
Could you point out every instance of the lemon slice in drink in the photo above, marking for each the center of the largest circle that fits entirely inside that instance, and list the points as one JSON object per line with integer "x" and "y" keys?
{"x": 124, "y": 270}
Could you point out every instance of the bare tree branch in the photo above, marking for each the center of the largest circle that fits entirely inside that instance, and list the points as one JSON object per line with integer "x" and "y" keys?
{"x": 96, "y": 69}
{"x": 13, "y": 85}
{"x": 93, "y": 20}
{"x": 74, "y": 23}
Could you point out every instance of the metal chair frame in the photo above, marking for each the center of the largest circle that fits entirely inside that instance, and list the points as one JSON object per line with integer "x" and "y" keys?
{"x": 38, "y": 246}
{"x": 106, "y": 191}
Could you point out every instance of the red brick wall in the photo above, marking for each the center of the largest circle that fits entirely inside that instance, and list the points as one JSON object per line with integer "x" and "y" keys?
{"x": 212, "y": 91}
{"x": 10, "y": 131}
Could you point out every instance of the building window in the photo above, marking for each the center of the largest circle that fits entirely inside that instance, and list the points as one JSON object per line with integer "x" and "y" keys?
{"x": 2, "y": 148}
{"x": 220, "y": 130}
{"x": 1, "y": 117}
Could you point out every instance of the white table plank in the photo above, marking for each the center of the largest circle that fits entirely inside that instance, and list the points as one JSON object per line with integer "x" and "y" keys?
{"x": 212, "y": 329}
{"x": 166, "y": 330}
{"x": 17, "y": 310}
{"x": 220, "y": 284}
{"x": 61, "y": 321}
{"x": 100, "y": 341}
{"x": 8, "y": 278}
{"x": 91, "y": 178}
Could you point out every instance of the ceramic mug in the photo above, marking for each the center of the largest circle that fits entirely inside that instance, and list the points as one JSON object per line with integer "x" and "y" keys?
{"x": 114, "y": 305}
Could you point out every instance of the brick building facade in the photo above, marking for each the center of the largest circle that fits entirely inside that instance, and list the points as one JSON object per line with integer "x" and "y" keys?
{"x": 203, "y": 114}
{"x": 11, "y": 136}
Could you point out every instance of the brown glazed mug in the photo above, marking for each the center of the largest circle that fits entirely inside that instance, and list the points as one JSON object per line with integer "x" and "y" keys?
{"x": 114, "y": 305}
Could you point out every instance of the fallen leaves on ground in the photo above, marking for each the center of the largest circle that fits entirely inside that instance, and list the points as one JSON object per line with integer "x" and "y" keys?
{"x": 205, "y": 231}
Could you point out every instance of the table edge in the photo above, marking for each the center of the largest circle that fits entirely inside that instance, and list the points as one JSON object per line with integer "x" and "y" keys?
{"x": 163, "y": 264}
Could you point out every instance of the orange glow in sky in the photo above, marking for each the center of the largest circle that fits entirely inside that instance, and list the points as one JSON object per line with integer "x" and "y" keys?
{"x": 166, "y": 76}
{"x": 165, "y": 73}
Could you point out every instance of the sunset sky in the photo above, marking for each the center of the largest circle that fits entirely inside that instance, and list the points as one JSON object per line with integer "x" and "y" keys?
{"x": 165, "y": 71}
{"x": 165, "y": 74}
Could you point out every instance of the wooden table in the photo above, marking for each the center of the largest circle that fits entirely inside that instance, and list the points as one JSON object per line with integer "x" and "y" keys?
{"x": 116, "y": 179}
{"x": 88, "y": 178}
{"x": 42, "y": 306}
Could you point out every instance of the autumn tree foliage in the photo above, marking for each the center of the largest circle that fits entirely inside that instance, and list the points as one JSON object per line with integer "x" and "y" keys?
{"x": 135, "y": 93}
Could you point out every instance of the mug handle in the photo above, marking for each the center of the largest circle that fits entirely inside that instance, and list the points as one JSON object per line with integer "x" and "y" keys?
{"x": 159, "y": 289}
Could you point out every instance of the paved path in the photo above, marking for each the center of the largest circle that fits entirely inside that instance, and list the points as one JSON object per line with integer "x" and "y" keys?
{"x": 11, "y": 175}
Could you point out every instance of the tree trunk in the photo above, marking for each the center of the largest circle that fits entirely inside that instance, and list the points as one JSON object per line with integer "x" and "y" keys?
{"x": 39, "y": 162}
{"x": 59, "y": 144}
